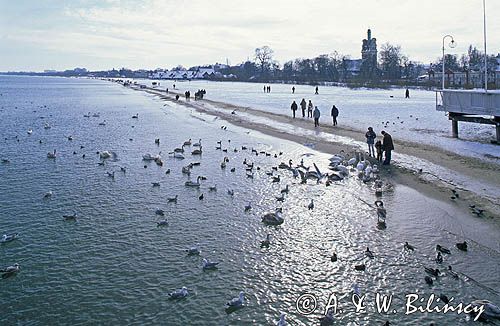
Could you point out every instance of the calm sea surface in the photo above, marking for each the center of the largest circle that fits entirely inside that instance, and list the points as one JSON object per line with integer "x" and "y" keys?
{"x": 115, "y": 266}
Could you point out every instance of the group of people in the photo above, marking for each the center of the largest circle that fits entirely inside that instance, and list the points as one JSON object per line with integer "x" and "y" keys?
{"x": 385, "y": 146}
{"x": 313, "y": 111}
{"x": 267, "y": 89}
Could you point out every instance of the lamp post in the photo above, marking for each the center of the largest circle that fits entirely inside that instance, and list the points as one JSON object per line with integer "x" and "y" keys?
{"x": 452, "y": 45}
{"x": 485, "y": 54}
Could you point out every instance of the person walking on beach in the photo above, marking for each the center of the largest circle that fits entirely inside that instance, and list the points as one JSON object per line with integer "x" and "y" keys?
{"x": 317, "y": 90}
{"x": 303, "y": 106}
{"x": 370, "y": 140}
{"x": 335, "y": 114}
{"x": 294, "y": 108}
{"x": 316, "y": 115}
{"x": 265, "y": 89}
{"x": 310, "y": 109}
{"x": 293, "y": 89}
{"x": 378, "y": 147}
{"x": 407, "y": 93}
{"x": 388, "y": 147}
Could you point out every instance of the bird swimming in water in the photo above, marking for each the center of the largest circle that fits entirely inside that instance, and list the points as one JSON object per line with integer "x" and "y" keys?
{"x": 444, "y": 298}
{"x": 360, "y": 267}
{"x": 201, "y": 197}
{"x": 462, "y": 246}
{"x": 443, "y": 249}
{"x": 452, "y": 273}
{"x": 162, "y": 223}
{"x": 155, "y": 184}
{"x": 193, "y": 251}
{"x": 159, "y": 212}
{"x": 432, "y": 271}
{"x": 368, "y": 253}
{"x": 10, "y": 270}
{"x": 439, "y": 258}
{"x": 333, "y": 258}
{"x": 428, "y": 280}
{"x": 179, "y": 294}
{"x": 209, "y": 265}
{"x": 48, "y": 194}
{"x": 9, "y": 237}
{"x": 248, "y": 207}
{"x": 237, "y": 302}
{"x": 265, "y": 243}
{"x": 408, "y": 246}
{"x": 70, "y": 217}
{"x": 172, "y": 199}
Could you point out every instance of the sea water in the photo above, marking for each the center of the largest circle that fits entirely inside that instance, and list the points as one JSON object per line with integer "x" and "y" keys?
{"x": 115, "y": 266}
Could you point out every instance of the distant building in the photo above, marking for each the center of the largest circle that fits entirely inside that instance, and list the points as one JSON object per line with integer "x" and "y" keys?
{"x": 366, "y": 67}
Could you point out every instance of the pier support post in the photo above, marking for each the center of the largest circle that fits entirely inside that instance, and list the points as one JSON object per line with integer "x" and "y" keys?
{"x": 454, "y": 128}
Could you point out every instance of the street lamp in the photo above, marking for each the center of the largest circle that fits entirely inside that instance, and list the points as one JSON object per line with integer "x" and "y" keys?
{"x": 451, "y": 45}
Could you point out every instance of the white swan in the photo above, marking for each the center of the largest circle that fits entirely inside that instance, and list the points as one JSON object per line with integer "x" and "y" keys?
{"x": 490, "y": 310}
{"x": 177, "y": 155}
{"x": 30, "y": 131}
{"x": 190, "y": 183}
{"x": 51, "y": 154}
{"x": 198, "y": 144}
{"x": 149, "y": 157}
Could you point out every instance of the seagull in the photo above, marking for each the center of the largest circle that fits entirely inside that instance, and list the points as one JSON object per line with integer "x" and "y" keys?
{"x": 179, "y": 293}
{"x": 209, "y": 265}
{"x": 162, "y": 223}
{"x": 237, "y": 302}
{"x": 311, "y": 205}
{"x": 9, "y": 237}
{"x": 193, "y": 251}
{"x": 172, "y": 199}
{"x": 10, "y": 270}
{"x": 48, "y": 194}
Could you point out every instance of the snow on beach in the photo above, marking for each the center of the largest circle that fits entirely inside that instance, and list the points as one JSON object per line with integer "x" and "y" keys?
{"x": 414, "y": 119}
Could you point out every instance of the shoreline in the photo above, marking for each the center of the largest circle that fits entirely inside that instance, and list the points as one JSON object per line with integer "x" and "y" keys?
{"x": 483, "y": 172}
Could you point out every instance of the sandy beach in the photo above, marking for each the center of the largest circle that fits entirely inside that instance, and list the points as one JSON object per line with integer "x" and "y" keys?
{"x": 426, "y": 181}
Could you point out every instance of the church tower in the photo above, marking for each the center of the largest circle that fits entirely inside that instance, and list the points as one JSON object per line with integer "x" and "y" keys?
{"x": 369, "y": 56}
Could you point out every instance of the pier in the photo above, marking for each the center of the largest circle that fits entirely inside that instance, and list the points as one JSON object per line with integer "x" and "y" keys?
{"x": 475, "y": 106}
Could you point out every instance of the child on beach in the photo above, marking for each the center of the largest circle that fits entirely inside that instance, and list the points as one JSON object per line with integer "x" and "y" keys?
{"x": 378, "y": 147}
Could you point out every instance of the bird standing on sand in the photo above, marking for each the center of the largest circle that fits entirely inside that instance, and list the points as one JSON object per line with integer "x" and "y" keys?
{"x": 311, "y": 205}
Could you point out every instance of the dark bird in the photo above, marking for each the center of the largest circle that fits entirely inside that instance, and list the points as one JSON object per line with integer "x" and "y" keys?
{"x": 443, "y": 249}
{"x": 408, "y": 246}
{"x": 432, "y": 271}
{"x": 462, "y": 246}
{"x": 333, "y": 258}
{"x": 444, "y": 298}
{"x": 361, "y": 267}
{"x": 368, "y": 253}
{"x": 428, "y": 280}
{"x": 201, "y": 197}
{"x": 439, "y": 258}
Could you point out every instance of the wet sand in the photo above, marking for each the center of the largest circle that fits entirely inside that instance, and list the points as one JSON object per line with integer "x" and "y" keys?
{"x": 482, "y": 172}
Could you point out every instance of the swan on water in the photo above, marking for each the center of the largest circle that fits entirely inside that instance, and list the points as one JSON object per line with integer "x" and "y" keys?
{"x": 237, "y": 302}
{"x": 48, "y": 194}
{"x": 179, "y": 149}
{"x": 155, "y": 184}
{"x": 190, "y": 183}
{"x": 267, "y": 242}
{"x": 491, "y": 311}
{"x": 9, "y": 237}
{"x": 104, "y": 155}
{"x": 51, "y": 154}
{"x": 187, "y": 142}
{"x": 209, "y": 265}
{"x": 213, "y": 188}
{"x": 177, "y": 155}
{"x": 273, "y": 218}
{"x": 179, "y": 293}
{"x": 149, "y": 157}
{"x": 160, "y": 212}
{"x": 136, "y": 116}
{"x": 198, "y": 144}
{"x": 70, "y": 217}
{"x": 197, "y": 151}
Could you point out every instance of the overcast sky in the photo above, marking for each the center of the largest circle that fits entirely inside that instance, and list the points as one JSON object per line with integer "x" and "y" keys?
{"x": 45, "y": 34}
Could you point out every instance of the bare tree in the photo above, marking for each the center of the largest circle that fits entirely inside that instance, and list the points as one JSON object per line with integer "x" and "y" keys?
{"x": 264, "y": 58}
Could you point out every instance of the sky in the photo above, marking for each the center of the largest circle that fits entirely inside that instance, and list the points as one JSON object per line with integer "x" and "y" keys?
{"x": 99, "y": 35}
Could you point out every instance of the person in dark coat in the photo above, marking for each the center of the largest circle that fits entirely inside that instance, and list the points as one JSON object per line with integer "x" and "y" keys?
{"x": 335, "y": 113}
{"x": 294, "y": 108}
{"x": 317, "y": 90}
{"x": 293, "y": 89}
{"x": 303, "y": 106}
{"x": 407, "y": 93}
{"x": 388, "y": 147}
{"x": 370, "y": 140}
{"x": 316, "y": 116}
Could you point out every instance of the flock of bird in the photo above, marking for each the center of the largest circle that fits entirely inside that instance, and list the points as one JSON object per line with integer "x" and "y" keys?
{"x": 340, "y": 167}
